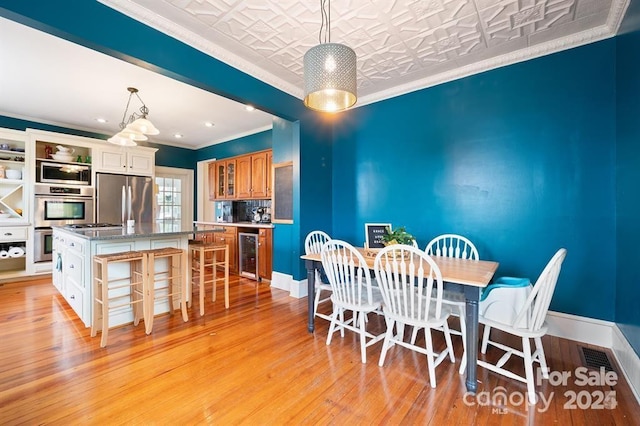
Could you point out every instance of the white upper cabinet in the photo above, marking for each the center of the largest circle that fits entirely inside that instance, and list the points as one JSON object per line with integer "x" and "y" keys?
{"x": 129, "y": 161}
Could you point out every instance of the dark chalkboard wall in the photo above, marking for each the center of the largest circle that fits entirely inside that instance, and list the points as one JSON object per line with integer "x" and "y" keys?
{"x": 282, "y": 193}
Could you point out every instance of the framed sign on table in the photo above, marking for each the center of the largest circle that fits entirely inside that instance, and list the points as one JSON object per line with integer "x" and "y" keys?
{"x": 373, "y": 233}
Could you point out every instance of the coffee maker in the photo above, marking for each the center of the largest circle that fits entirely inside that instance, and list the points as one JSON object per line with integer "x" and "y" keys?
{"x": 224, "y": 211}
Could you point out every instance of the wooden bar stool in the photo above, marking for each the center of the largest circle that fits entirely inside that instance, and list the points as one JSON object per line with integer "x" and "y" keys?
{"x": 173, "y": 283}
{"x": 119, "y": 292}
{"x": 209, "y": 256}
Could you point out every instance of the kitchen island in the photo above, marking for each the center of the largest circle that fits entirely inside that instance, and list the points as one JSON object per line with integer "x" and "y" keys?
{"x": 73, "y": 251}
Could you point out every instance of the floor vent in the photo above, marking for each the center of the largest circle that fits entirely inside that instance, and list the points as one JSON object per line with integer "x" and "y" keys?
{"x": 596, "y": 359}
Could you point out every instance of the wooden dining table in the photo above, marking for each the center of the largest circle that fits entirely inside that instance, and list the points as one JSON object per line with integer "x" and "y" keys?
{"x": 470, "y": 276}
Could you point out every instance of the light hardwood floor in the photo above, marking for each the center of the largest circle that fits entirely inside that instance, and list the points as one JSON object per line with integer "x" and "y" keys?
{"x": 252, "y": 364}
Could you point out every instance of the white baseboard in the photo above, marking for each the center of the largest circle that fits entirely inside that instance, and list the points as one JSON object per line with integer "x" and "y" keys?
{"x": 297, "y": 289}
{"x": 583, "y": 329}
{"x": 628, "y": 360}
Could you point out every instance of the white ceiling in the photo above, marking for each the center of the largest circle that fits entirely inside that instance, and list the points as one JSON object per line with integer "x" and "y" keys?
{"x": 401, "y": 46}
{"x": 50, "y": 80}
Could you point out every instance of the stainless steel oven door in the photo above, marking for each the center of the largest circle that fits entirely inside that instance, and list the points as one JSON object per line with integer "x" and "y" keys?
{"x": 43, "y": 245}
{"x": 62, "y": 210}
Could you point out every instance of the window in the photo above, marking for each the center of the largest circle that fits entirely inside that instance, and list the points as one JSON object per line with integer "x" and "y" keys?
{"x": 174, "y": 211}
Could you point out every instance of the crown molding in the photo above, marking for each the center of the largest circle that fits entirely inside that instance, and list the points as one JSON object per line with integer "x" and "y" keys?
{"x": 607, "y": 30}
{"x": 579, "y": 39}
{"x": 143, "y": 15}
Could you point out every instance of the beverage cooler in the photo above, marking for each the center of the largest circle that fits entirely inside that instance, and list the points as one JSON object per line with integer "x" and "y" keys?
{"x": 248, "y": 247}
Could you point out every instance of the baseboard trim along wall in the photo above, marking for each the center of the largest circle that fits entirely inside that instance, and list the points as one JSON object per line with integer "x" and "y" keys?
{"x": 573, "y": 327}
{"x": 627, "y": 359}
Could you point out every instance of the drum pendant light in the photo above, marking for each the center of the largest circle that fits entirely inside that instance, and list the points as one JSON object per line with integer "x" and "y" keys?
{"x": 330, "y": 83}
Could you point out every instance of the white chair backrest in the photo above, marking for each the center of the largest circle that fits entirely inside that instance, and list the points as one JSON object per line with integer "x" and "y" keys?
{"x": 534, "y": 310}
{"x": 348, "y": 274}
{"x": 407, "y": 277}
{"x": 314, "y": 241}
{"x": 452, "y": 245}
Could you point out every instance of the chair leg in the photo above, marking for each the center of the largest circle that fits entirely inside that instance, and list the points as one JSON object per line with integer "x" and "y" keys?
{"x": 201, "y": 258}
{"x": 528, "y": 369}
{"x": 104, "y": 267}
{"x": 485, "y": 339}
{"x": 184, "y": 285}
{"x": 226, "y": 278}
{"x": 430, "y": 358}
{"x": 387, "y": 341}
{"x": 363, "y": 338}
{"x": 414, "y": 335}
{"x": 149, "y": 293}
{"x": 332, "y": 326}
{"x": 447, "y": 339}
{"x": 541, "y": 358}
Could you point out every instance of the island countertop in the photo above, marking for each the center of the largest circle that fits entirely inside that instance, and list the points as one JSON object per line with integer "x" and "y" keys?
{"x": 140, "y": 230}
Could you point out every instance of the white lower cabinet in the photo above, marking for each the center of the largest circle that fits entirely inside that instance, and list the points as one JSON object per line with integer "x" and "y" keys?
{"x": 13, "y": 251}
{"x": 69, "y": 274}
{"x": 72, "y": 272}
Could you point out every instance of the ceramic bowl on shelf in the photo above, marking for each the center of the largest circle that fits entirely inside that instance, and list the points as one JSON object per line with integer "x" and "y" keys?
{"x": 13, "y": 174}
{"x": 62, "y": 157}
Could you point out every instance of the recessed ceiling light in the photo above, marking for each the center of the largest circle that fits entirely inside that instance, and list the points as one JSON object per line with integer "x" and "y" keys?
{"x": 178, "y": 136}
{"x": 101, "y": 120}
{"x": 209, "y": 124}
{"x": 249, "y": 107}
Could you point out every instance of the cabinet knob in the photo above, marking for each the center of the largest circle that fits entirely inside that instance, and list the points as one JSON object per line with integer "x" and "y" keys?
{"x": 8, "y": 234}
{"x": 72, "y": 244}
{"x": 73, "y": 296}
{"x": 71, "y": 266}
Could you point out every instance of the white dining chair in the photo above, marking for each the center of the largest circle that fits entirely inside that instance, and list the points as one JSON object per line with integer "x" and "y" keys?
{"x": 398, "y": 268}
{"x": 351, "y": 287}
{"x": 528, "y": 323}
{"x": 454, "y": 245}
{"x": 313, "y": 245}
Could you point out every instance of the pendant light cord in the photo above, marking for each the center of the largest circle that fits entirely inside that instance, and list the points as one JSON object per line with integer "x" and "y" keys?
{"x": 326, "y": 22}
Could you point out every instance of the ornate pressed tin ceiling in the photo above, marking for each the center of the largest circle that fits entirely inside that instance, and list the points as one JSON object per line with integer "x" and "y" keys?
{"x": 401, "y": 45}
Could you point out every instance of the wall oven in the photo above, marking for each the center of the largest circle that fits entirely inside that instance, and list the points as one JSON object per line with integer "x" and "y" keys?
{"x": 62, "y": 173}
{"x": 58, "y": 206}
{"x": 43, "y": 245}
{"x": 62, "y": 205}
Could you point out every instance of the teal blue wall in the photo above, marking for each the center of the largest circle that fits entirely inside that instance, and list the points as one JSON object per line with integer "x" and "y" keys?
{"x": 521, "y": 160}
{"x": 239, "y": 146}
{"x": 628, "y": 177}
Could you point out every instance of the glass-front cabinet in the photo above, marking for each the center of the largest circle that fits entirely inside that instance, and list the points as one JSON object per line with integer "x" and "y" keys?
{"x": 222, "y": 178}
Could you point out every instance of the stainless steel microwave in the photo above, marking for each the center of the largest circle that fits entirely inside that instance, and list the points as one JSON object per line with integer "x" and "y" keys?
{"x": 68, "y": 174}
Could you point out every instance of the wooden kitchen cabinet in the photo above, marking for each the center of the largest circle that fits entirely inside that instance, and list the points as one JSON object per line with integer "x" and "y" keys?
{"x": 269, "y": 170}
{"x": 223, "y": 179}
{"x": 253, "y": 175}
{"x": 230, "y": 237}
{"x": 265, "y": 253}
{"x": 244, "y": 177}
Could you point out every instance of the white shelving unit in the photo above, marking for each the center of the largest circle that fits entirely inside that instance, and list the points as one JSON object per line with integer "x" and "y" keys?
{"x": 14, "y": 206}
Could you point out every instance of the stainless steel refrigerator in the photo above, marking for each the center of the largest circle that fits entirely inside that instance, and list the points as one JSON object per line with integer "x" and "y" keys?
{"x": 120, "y": 197}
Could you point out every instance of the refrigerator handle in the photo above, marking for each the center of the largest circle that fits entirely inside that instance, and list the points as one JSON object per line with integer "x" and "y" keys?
{"x": 129, "y": 205}
{"x": 124, "y": 205}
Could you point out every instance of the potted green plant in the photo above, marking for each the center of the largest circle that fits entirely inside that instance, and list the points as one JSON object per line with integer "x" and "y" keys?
{"x": 397, "y": 236}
